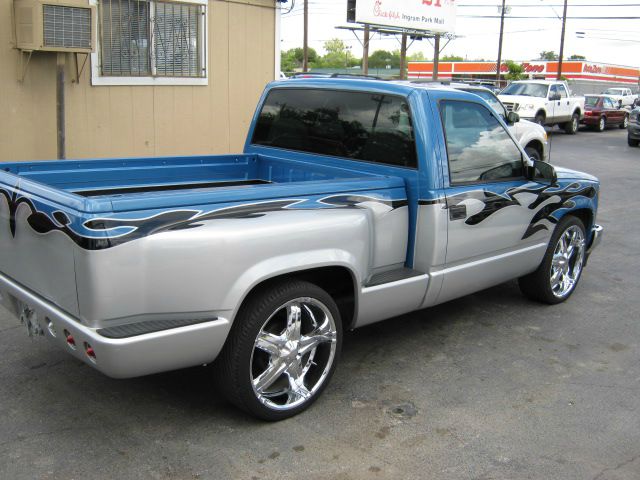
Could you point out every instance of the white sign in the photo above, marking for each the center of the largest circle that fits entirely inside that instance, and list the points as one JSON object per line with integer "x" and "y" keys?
{"x": 433, "y": 15}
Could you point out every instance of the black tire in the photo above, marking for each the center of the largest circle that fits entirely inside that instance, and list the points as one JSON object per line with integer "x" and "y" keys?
{"x": 533, "y": 153}
{"x": 540, "y": 119}
{"x": 234, "y": 367}
{"x": 602, "y": 124}
{"x": 625, "y": 122}
{"x": 538, "y": 285}
{"x": 571, "y": 127}
{"x": 632, "y": 141}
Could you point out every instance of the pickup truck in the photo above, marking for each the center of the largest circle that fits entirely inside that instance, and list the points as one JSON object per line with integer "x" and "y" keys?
{"x": 545, "y": 103}
{"x": 354, "y": 201}
{"x": 623, "y": 96}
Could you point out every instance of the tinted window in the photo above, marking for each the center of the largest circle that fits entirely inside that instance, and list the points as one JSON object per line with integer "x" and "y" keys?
{"x": 357, "y": 125}
{"x": 478, "y": 147}
{"x": 562, "y": 91}
{"x": 526, "y": 89}
{"x": 591, "y": 101}
{"x": 488, "y": 97}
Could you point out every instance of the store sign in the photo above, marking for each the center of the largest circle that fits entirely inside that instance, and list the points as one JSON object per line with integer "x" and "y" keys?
{"x": 432, "y": 15}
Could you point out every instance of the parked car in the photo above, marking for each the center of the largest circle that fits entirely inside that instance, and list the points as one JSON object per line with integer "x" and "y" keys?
{"x": 545, "y": 103}
{"x": 602, "y": 111}
{"x": 633, "y": 130}
{"x": 531, "y": 136}
{"x": 622, "y": 96}
{"x": 354, "y": 201}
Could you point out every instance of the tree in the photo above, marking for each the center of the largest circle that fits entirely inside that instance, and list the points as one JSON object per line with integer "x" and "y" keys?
{"x": 451, "y": 58}
{"x": 515, "y": 70}
{"x": 416, "y": 57}
{"x": 550, "y": 55}
{"x": 577, "y": 57}
{"x": 382, "y": 58}
{"x": 291, "y": 59}
{"x": 338, "y": 55}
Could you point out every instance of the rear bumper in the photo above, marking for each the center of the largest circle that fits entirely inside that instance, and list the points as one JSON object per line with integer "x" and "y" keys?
{"x": 590, "y": 120}
{"x": 123, "y": 357}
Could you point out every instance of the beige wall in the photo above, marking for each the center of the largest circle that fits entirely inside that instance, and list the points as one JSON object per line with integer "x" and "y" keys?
{"x": 105, "y": 121}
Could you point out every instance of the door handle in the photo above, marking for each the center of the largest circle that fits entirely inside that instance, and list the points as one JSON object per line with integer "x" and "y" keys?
{"x": 457, "y": 212}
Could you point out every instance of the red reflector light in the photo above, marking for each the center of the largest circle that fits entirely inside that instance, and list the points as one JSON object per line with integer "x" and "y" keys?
{"x": 88, "y": 349}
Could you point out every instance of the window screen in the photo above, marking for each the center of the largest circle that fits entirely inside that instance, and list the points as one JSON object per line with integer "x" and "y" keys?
{"x": 151, "y": 38}
{"x": 478, "y": 147}
{"x": 356, "y": 125}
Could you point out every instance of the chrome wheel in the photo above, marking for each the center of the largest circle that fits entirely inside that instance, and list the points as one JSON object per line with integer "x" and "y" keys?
{"x": 293, "y": 353}
{"x": 567, "y": 260}
{"x": 574, "y": 124}
{"x": 625, "y": 122}
{"x": 602, "y": 124}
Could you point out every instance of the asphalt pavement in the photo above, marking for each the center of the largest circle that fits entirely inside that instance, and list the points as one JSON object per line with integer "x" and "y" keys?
{"x": 490, "y": 386}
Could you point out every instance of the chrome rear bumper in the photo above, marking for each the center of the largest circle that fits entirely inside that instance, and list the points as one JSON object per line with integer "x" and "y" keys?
{"x": 133, "y": 356}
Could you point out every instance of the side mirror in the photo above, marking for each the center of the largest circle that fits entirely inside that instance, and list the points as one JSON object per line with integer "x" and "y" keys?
{"x": 513, "y": 117}
{"x": 542, "y": 171}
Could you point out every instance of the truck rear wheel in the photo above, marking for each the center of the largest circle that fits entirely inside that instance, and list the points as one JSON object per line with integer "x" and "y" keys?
{"x": 282, "y": 350}
{"x": 571, "y": 127}
{"x": 557, "y": 276}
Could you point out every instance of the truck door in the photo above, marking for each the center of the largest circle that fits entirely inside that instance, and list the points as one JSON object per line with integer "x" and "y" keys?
{"x": 554, "y": 107}
{"x": 564, "y": 104}
{"x": 488, "y": 198}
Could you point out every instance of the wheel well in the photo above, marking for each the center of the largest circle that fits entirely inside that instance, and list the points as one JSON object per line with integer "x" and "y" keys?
{"x": 339, "y": 282}
{"x": 536, "y": 145}
{"x": 541, "y": 112}
{"x": 585, "y": 215}
{"x": 577, "y": 110}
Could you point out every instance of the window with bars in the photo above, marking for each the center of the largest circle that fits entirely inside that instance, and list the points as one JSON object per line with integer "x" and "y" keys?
{"x": 143, "y": 38}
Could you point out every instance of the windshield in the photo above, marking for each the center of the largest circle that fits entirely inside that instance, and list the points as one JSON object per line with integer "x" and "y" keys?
{"x": 526, "y": 89}
{"x": 591, "y": 101}
{"x": 613, "y": 91}
{"x": 488, "y": 97}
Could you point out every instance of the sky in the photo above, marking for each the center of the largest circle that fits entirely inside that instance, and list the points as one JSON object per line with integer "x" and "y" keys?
{"x": 605, "y": 40}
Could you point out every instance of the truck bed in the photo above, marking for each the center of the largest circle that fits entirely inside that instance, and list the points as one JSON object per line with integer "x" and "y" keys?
{"x": 68, "y": 229}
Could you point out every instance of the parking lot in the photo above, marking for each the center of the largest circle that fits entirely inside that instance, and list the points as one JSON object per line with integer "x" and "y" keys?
{"x": 491, "y": 386}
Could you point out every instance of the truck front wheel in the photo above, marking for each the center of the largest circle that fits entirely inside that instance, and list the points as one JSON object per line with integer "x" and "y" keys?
{"x": 540, "y": 119}
{"x": 282, "y": 350}
{"x": 557, "y": 276}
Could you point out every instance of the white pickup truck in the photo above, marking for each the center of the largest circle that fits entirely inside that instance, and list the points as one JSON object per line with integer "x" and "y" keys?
{"x": 624, "y": 96}
{"x": 544, "y": 102}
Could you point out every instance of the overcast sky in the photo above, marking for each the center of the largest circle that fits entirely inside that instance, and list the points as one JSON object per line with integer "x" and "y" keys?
{"x": 606, "y": 40}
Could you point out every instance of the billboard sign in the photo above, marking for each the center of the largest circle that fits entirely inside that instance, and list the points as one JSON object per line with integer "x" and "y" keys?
{"x": 432, "y": 15}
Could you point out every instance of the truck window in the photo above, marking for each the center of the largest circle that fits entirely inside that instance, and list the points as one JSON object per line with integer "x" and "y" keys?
{"x": 562, "y": 91}
{"x": 357, "y": 125}
{"x": 478, "y": 147}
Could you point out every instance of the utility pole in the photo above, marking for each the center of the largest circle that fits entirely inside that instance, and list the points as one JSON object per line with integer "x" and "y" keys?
{"x": 499, "y": 64}
{"x": 403, "y": 56}
{"x": 365, "y": 51}
{"x": 436, "y": 56}
{"x": 305, "y": 41}
{"x": 564, "y": 23}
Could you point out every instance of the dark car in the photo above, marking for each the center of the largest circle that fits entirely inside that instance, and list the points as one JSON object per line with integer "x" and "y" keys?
{"x": 601, "y": 111}
{"x": 633, "y": 130}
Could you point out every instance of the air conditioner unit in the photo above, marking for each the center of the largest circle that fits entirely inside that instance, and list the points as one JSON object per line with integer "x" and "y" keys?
{"x": 55, "y": 25}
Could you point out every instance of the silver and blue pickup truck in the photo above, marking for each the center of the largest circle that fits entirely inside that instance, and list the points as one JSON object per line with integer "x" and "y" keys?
{"x": 354, "y": 201}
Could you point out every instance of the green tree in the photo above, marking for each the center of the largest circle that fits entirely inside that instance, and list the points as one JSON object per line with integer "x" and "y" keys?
{"x": 577, "y": 57}
{"x": 382, "y": 58}
{"x": 291, "y": 59}
{"x": 451, "y": 58}
{"x": 515, "y": 70}
{"x": 550, "y": 55}
{"x": 338, "y": 55}
{"x": 416, "y": 57}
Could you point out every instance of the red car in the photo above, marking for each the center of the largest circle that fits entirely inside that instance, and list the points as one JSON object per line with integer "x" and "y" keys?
{"x": 601, "y": 112}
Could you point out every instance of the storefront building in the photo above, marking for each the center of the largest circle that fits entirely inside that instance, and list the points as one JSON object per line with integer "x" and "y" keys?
{"x": 583, "y": 76}
{"x": 159, "y": 77}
